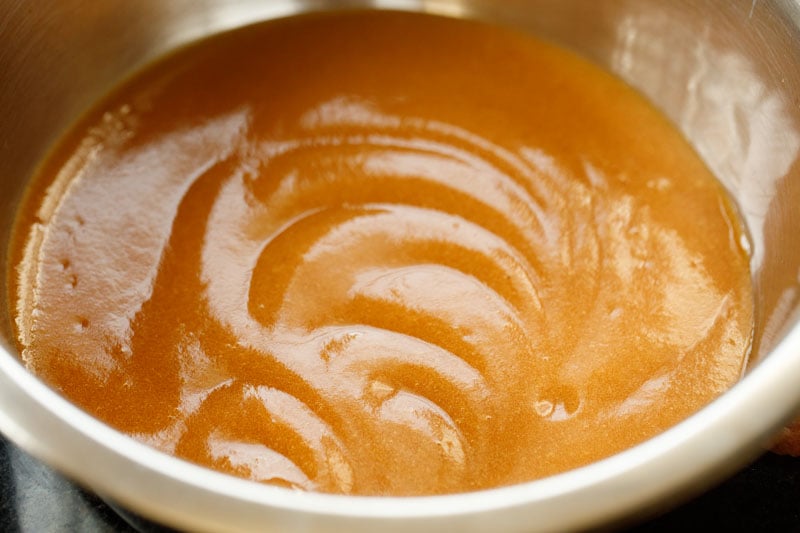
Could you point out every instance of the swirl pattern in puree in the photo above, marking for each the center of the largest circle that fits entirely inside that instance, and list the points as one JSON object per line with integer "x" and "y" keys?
{"x": 381, "y": 253}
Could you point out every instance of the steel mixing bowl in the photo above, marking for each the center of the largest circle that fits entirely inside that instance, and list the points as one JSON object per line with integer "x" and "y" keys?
{"x": 727, "y": 73}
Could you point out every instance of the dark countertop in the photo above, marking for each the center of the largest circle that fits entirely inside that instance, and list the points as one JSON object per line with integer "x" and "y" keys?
{"x": 763, "y": 497}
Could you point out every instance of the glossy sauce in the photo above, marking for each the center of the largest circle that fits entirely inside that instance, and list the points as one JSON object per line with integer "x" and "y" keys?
{"x": 381, "y": 253}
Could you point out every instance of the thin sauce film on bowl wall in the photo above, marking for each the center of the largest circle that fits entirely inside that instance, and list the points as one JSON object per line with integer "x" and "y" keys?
{"x": 383, "y": 254}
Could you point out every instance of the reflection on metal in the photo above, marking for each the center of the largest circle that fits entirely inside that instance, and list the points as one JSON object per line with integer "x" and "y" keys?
{"x": 743, "y": 129}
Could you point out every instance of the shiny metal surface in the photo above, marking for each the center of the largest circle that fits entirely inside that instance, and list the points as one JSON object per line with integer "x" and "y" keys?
{"x": 727, "y": 73}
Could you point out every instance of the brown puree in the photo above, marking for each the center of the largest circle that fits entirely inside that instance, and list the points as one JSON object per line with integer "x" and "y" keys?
{"x": 381, "y": 253}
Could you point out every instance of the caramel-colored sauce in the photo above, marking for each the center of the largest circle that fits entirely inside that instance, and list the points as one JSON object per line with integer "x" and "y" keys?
{"x": 381, "y": 253}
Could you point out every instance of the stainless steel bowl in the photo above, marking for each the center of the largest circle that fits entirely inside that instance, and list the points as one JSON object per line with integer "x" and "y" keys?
{"x": 726, "y": 72}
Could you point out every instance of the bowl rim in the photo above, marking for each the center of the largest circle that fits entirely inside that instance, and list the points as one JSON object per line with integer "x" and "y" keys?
{"x": 708, "y": 444}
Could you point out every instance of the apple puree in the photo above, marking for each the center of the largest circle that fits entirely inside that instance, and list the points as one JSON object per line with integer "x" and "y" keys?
{"x": 381, "y": 254}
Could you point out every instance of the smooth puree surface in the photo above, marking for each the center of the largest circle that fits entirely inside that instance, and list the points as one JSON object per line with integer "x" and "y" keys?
{"x": 383, "y": 254}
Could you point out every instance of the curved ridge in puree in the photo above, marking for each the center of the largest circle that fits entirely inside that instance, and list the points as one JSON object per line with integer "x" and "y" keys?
{"x": 381, "y": 253}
